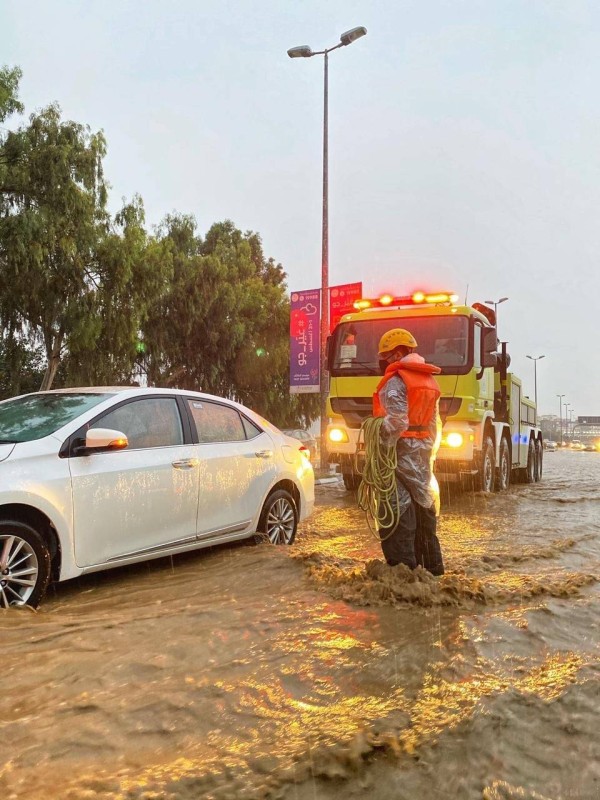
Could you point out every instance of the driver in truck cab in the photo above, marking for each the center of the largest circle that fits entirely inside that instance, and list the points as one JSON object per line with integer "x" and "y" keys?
{"x": 407, "y": 397}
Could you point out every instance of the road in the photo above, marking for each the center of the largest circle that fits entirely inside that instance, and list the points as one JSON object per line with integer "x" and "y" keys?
{"x": 318, "y": 672}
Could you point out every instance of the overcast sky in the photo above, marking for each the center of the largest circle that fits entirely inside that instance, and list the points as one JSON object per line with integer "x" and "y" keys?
{"x": 464, "y": 143}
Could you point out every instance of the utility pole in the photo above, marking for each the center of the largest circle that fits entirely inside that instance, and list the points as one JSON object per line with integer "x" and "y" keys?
{"x": 560, "y": 397}
{"x": 304, "y": 51}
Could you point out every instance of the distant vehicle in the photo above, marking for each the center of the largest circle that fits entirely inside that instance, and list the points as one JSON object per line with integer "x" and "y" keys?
{"x": 99, "y": 477}
{"x": 592, "y": 447}
{"x": 550, "y": 446}
{"x": 577, "y": 445}
{"x": 307, "y": 439}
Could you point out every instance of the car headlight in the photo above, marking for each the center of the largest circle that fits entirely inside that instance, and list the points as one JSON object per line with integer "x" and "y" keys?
{"x": 454, "y": 439}
{"x": 338, "y": 435}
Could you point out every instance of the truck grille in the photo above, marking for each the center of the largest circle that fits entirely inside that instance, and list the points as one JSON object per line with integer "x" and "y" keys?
{"x": 355, "y": 410}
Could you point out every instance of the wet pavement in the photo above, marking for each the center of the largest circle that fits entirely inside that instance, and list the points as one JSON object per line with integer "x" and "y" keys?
{"x": 318, "y": 672}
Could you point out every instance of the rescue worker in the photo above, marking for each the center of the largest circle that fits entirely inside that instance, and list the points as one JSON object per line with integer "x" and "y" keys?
{"x": 407, "y": 397}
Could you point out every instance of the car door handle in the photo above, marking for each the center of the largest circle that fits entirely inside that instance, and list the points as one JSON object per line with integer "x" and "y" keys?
{"x": 264, "y": 454}
{"x": 186, "y": 463}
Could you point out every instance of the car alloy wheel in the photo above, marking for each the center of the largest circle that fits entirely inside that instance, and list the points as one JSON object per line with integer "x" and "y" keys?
{"x": 24, "y": 565}
{"x": 279, "y": 518}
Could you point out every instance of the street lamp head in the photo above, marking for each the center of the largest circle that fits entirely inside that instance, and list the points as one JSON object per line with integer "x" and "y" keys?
{"x": 352, "y": 35}
{"x": 502, "y": 299}
{"x": 303, "y": 51}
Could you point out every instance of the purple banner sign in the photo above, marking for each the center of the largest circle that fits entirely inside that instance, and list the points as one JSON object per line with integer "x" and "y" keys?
{"x": 305, "y": 327}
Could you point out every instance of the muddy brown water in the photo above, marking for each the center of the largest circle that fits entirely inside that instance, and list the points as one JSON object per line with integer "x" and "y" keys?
{"x": 317, "y": 672}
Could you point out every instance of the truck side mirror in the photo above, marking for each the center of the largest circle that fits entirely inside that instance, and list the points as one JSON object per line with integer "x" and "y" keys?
{"x": 489, "y": 345}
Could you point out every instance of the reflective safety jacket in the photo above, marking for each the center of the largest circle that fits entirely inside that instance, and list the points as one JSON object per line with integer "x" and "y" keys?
{"x": 422, "y": 395}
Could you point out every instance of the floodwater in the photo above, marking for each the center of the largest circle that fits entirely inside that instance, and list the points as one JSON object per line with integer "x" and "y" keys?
{"x": 317, "y": 672}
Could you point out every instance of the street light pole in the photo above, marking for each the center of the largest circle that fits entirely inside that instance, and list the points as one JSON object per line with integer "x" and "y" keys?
{"x": 304, "y": 51}
{"x": 496, "y": 303}
{"x": 560, "y": 397}
{"x": 565, "y": 406}
{"x": 535, "y": 359}
{"x": 571, "y": 426}
{"x": 325, "y": 262}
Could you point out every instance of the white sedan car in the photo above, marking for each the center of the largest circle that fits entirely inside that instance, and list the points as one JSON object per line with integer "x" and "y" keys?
{"x": 96, "y": 478}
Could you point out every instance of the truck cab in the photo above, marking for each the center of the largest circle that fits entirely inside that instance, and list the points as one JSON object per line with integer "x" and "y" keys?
{"x": 481, "y": 406}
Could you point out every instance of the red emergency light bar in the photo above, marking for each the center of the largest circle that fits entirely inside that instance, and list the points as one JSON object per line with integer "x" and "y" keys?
{"x": 415, "y": 299}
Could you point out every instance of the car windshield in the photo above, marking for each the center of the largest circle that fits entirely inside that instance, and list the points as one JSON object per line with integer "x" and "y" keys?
{"x": 443, "y": 341}
{"x": 34, "y": 416}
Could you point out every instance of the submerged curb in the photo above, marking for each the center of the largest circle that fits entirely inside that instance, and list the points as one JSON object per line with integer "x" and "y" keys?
{"x": 329, "y": 479}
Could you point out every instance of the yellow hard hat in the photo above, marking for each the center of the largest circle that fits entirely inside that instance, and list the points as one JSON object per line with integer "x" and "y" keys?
{"x": 395, "y": 338}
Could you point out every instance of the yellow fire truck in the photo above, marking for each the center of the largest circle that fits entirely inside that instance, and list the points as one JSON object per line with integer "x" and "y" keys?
{"x": 490, "y": 432}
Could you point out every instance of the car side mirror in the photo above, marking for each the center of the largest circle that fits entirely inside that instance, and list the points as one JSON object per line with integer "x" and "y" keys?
{"x": 489, "y": 345}
{"x": 105, "y": 439}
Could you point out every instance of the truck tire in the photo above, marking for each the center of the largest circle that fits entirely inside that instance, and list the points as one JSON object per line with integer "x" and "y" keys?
{"x": 531, "y": 461}
{"x": 504, "y": 467}
{"x": 539, "y": 460}
{"x": 484, "y": 480}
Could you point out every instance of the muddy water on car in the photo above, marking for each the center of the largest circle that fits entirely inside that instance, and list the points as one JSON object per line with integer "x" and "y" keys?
{"x": 317, "y": 672}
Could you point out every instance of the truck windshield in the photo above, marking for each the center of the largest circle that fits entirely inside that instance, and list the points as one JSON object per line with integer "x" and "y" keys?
{"x": 34, "y": 416}
{"x": 443, "y": 341}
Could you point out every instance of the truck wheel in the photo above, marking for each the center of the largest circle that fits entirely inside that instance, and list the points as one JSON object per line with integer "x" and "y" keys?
{"x": 484, "y": 481}
{"x": 531, "y": 460}
{"x": 503, "y": 471}
{"x": 351, "y": 481}
{"x": 539, "y": 459}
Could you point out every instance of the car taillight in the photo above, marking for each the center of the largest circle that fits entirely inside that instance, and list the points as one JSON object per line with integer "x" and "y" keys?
{"x": 305, "y": 451}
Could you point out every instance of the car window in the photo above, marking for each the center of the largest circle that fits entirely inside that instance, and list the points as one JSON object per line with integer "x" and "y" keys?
{"x": 33, "y": 416}
{"x": 148, "y": 422}
{"x": 251, "y": 429}
{"x": 216, "y": 423}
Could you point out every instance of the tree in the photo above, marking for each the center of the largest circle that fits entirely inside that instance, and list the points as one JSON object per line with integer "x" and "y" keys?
{"x": 51, "y": 211}
{"x": 87, "y": 291}
{"x": 132, "y": 270}
{"x": 21, "y": 365}
{"x": 9, "y": 92}
{"x": 222, "y": 325}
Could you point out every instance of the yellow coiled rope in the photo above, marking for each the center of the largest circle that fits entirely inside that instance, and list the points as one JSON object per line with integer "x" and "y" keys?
{"x": 378, "y": 490}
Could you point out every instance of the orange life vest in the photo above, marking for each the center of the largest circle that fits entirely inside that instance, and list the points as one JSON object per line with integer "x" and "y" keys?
{"x": 422, "y": 395}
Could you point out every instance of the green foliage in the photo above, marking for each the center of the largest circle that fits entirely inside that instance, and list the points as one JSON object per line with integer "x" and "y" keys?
{"x": 86, "y": 299}
{"x": 222, "y": 326}
{"x": 132, "y": 271}
{"x": 9, "y": 88}
{"x": 21, "y": 366}
{"x": 52, "y": 205}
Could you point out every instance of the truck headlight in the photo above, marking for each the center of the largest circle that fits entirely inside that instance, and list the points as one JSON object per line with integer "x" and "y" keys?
{"x": 454, "y": 439}
{"x": 338, "y": 435}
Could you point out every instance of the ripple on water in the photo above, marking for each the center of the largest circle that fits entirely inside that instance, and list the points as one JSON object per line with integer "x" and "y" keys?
{"x": 376, "y": 583}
